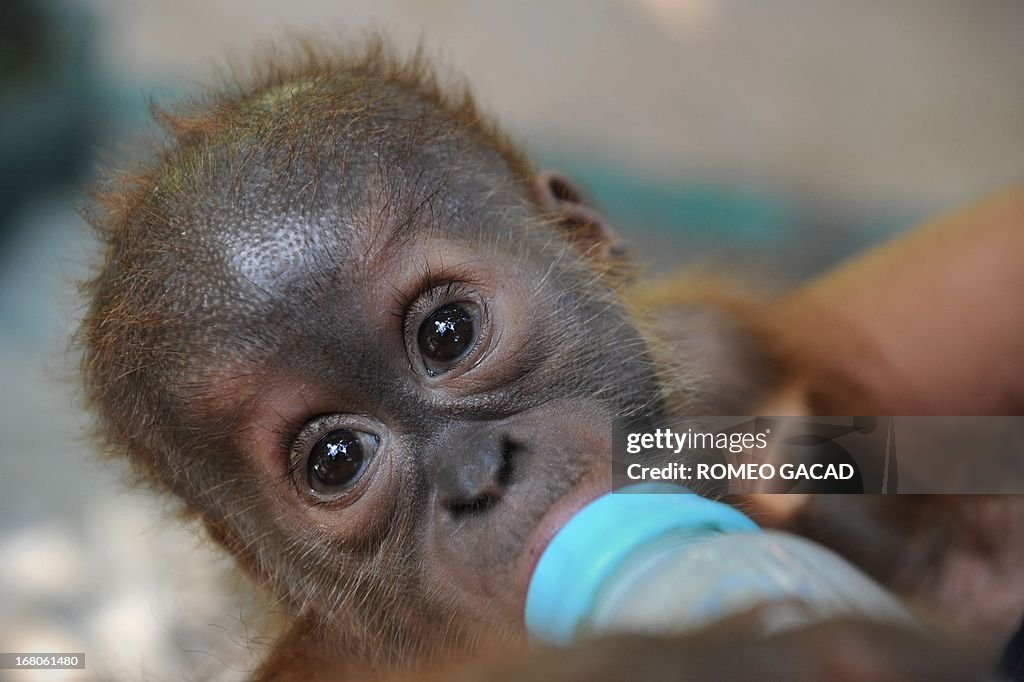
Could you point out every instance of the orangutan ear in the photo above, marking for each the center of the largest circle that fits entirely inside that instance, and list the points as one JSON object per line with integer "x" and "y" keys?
{"x": 584, "y": 227}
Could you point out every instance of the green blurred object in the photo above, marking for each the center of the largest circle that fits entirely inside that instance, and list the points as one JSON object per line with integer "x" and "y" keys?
{"x": 696, "y": 220}
{"x": 48, "y": 99}
{"x": 736, "y": 213}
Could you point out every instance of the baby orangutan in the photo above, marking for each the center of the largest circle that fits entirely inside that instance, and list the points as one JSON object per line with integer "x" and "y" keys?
{"x": 378, "y": 356}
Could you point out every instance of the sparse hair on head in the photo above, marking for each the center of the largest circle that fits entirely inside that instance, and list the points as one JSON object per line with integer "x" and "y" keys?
{"x": 290, "y": 116}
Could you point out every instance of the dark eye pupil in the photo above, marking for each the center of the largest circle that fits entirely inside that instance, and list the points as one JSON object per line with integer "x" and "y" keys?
{"x": 336, "y": 460}
{"x": 447, "y": 334}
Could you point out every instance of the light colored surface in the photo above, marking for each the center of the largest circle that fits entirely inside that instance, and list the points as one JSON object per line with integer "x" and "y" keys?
{"x": 920, "y": 100}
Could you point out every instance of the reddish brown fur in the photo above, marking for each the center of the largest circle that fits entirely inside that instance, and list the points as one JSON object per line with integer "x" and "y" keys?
{"x": 758, "y": 356}
{"x": 121, "y": 335}
{"x": 125, "y": 206}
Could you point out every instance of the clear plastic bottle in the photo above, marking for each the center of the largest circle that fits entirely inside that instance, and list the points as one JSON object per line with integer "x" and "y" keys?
{"x": 668, "y": 561}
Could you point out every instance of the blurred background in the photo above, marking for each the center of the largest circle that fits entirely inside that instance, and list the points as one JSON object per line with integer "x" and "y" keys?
{"x": 772, "y": 139}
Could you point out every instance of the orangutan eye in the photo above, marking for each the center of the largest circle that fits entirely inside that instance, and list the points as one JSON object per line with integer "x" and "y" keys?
{"x": 338, "y": 459}
{"x": 447, "y": 336}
